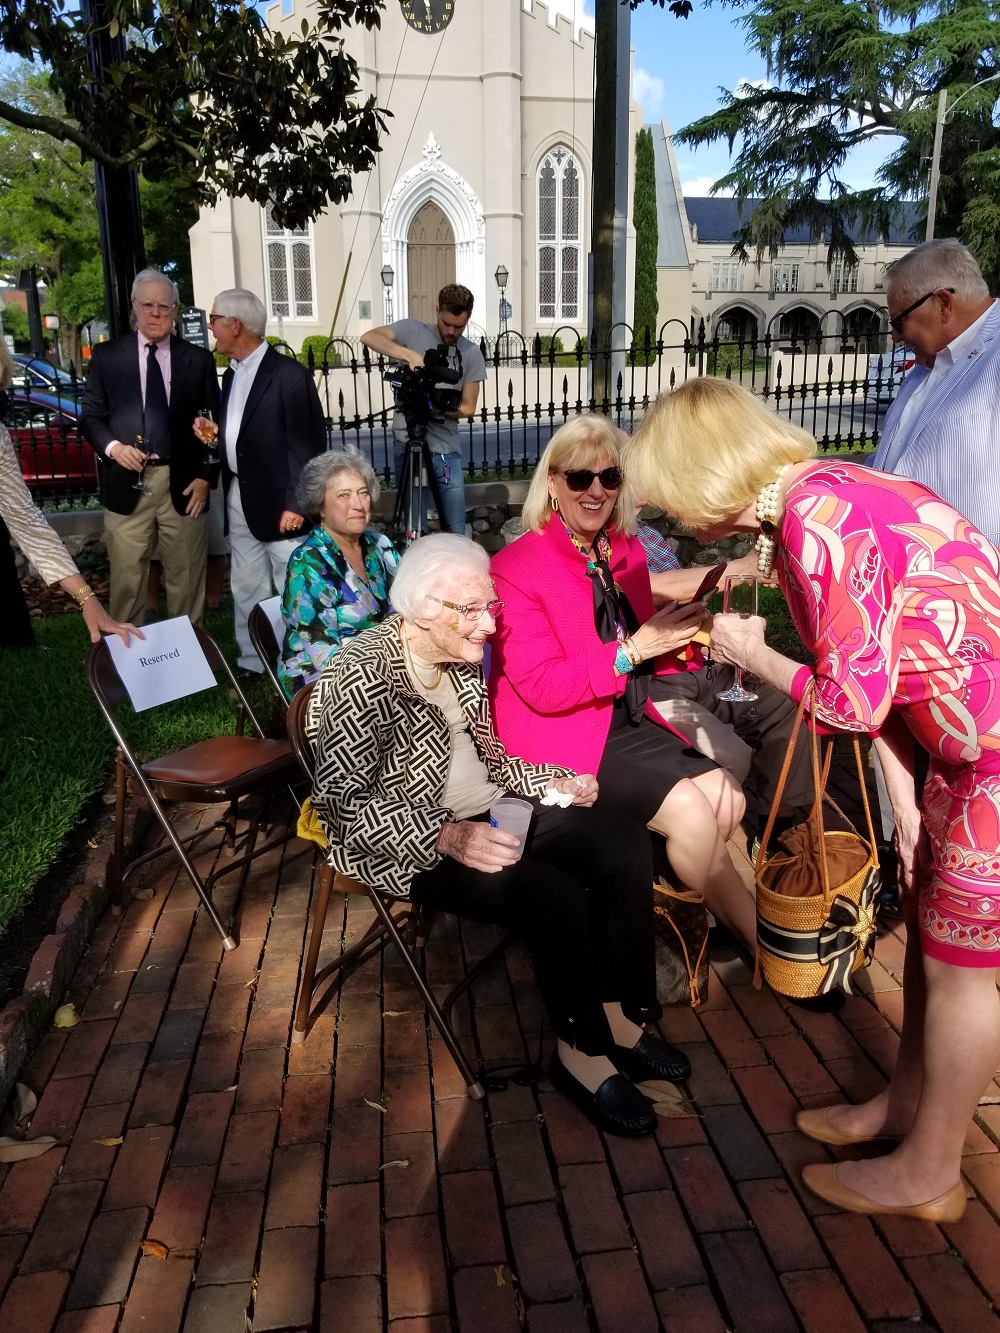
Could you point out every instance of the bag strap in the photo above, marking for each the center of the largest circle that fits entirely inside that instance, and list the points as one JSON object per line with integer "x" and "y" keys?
{"x": 687, "y": 896}
{"x": 820, "y": 779}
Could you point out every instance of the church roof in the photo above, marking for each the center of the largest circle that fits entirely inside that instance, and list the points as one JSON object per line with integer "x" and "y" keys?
{"x": 718, "y": 219}
{"x": 671, "y": 251}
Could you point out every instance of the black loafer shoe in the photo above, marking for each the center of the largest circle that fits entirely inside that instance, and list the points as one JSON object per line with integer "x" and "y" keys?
{"x": 652, "y": 1058}
{"x": 616, "y": 1107}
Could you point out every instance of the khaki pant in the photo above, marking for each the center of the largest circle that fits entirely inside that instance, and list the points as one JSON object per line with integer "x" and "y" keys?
{"x": 183, "y": 544}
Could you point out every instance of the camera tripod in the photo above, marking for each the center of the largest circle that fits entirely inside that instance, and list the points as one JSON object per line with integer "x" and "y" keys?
{"x": 418, "y": 471}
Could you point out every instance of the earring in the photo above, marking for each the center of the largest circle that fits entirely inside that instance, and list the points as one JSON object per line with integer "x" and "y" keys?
{"x": 554, "y": 502}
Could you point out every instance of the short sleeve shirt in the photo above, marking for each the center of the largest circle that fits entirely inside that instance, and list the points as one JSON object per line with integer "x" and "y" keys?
{"x": 442, "y": 436}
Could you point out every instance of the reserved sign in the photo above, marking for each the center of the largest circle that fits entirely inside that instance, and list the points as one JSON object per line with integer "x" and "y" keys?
{"x": 167, "y": 664}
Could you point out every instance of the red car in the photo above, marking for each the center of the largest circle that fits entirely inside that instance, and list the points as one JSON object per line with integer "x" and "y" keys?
{"x": 54, "y": 456}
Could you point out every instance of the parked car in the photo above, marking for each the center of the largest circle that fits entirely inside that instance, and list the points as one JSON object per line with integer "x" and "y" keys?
{"x": 35, "y": 375}
{"x": 886, "y": 371}
{"x": 54, "y": 456}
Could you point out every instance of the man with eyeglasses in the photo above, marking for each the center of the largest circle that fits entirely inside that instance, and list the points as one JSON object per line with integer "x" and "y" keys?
{"x": 943, "y": 428}
{"x": 142, "y": 396}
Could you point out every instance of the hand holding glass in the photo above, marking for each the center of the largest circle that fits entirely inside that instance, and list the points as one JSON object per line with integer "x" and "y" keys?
{"x": 208, "y": 432}
{"x": 512, "y": 816}
{"x": 143, "y": 448}
{"x": 740, "y": 599}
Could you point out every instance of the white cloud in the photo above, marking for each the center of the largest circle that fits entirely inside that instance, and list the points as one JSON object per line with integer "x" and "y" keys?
{"x": 647, "y": 90}
{"x": 700, "y": 186}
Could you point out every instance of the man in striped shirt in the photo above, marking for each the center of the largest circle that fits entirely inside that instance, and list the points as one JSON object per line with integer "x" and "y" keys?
{"x": 943, "y": 428}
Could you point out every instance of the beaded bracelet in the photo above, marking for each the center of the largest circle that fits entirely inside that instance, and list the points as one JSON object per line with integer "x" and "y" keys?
{"x": 623, "y": 663}
{"x": 82, "y": 593}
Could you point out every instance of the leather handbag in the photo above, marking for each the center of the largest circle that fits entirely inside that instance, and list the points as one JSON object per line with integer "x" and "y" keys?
{"x": 816, "y": 892}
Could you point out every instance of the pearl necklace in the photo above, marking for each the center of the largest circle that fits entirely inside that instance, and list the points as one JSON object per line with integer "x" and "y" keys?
{"x": 767, "y": 513}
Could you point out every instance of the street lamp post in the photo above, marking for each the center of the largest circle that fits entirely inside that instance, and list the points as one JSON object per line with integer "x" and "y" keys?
{"x": 501, "y": 276}
{"x": 943, "y": 112}
{"x": 388, "y": 277}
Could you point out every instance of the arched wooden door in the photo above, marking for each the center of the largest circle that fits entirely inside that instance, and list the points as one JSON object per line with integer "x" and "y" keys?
{"x": 430, "y": 260}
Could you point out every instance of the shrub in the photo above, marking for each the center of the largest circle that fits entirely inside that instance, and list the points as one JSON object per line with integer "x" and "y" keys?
{"x": 321, "y": 348}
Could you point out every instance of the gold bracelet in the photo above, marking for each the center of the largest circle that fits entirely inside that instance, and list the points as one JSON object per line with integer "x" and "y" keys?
{"x": 632, "y": 652}
{"x": 82, "y": 593}
{"x": 90, "y": 594}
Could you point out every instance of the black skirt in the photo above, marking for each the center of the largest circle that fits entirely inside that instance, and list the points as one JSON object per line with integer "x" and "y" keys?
{"x": 640, "y": 765}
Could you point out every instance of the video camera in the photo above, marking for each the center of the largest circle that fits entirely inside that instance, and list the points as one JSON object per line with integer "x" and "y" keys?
{"x": 422, "y": 395}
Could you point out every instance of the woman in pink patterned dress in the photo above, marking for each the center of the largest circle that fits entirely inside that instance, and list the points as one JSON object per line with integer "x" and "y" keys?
{"x": 898, "y": 597}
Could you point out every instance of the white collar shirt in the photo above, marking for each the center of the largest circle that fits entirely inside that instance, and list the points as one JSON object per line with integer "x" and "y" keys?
{"x": 244, "y": 373}
{"x": 944, "y": 362}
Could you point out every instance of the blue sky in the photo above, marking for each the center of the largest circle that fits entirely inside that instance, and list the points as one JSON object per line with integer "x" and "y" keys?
{"x": 680, "y": 65}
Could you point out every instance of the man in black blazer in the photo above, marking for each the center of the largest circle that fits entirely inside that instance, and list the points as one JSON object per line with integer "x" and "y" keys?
{"x": 272, "y": 424}
{"x": 149, "y": 386}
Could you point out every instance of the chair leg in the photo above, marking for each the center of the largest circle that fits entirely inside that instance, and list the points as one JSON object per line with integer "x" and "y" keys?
{"x": 475, "y": 1089}
{"x": 323, "y": 889}
{"x": 493, "y": 956}
{"x": 118, "y": 856}
{"x": 229, "y": 819}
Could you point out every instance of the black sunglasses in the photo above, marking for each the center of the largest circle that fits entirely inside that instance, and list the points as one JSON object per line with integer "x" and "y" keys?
{"x": 896, "y": 321}
{"x": 582, "y": 479}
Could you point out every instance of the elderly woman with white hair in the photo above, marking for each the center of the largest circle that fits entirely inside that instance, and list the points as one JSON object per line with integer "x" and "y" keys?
{"x": 407, "y": 767}
{"x": 337, "y": 580}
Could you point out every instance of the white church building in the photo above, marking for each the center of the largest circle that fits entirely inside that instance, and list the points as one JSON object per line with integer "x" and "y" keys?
{"x": 486, "y": 166}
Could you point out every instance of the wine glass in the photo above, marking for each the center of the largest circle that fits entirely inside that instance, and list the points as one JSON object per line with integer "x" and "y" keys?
{"x": 209, "y": 436}
{"x": 143, "y": 448}
{"x": 740, "y": 599}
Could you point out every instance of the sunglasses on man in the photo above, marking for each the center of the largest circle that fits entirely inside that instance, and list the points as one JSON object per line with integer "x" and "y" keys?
{"x": 581, "y": 479}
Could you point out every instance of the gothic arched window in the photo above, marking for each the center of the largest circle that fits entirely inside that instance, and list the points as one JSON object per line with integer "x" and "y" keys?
{"x": 560, "y": 229}
{"x": 288, "y": 269}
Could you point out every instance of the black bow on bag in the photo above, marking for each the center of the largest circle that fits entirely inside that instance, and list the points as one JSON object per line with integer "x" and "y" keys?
{"x": 848, "y": 927}
{"x": 611, "y": 606}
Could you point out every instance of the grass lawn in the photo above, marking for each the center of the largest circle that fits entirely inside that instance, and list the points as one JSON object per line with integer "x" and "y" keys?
{"x": 56, "y": 750}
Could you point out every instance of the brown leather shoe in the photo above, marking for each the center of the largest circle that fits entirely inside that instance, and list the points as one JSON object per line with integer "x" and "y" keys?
{"x": 822, "y": 1180}
{"x": 815, "y": 1124}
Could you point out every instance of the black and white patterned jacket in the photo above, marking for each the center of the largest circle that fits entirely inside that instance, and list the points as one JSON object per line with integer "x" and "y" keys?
{"x": 382, "y": 753}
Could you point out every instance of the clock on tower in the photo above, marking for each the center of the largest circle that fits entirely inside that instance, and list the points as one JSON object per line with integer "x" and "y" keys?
{"x": 428, "y": 15}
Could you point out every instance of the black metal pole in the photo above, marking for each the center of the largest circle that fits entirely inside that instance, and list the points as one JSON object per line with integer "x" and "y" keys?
{"x": 603, "y": 190}
{"x": 27, "y": 282}
{"x": 123, "y": 249}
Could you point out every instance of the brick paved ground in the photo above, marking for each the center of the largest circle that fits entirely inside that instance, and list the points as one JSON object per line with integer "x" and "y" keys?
{"x": 287, "y": 1199}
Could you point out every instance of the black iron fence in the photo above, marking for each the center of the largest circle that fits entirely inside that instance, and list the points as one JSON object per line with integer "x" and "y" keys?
{"x": 836, "y": 387}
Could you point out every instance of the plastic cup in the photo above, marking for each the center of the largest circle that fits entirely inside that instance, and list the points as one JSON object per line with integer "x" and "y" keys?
{"x": 512, "y": 816}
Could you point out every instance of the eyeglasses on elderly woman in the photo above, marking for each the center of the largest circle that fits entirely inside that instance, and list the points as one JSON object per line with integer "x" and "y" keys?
{"x": 473, "y": 613}
{"x": 581, "y": 479}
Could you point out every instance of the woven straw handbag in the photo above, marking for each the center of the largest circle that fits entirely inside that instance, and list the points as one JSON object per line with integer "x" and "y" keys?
{"x": 816, "y": 891}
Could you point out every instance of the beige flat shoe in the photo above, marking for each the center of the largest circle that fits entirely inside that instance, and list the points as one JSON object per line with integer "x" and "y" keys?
{"x": 814, "y": 1122}
{"x": 822, "y": 1180}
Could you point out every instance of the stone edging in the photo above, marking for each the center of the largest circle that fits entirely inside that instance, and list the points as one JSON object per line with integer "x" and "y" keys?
{"x": 23, "y": 1020}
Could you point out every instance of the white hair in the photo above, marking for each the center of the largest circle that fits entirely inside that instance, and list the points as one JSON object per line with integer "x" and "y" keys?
{"x": 239, "y": 303}
{"x": 944, "y": 262}
{"x": 154, "y": 275}
{"x": 428, "y": 565}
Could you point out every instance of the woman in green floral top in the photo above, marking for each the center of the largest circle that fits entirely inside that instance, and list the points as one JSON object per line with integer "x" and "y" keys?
{"x": 337, "y": 583}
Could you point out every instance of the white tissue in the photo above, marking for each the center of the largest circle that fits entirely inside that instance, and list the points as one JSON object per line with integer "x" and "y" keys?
{"x": 560, "y": 798}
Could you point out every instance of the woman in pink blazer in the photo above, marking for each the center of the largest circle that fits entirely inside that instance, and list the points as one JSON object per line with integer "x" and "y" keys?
{"x": 578, "y": 642}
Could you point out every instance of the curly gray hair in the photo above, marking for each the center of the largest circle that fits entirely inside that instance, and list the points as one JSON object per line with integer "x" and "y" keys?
{"x": 321, "y": 472}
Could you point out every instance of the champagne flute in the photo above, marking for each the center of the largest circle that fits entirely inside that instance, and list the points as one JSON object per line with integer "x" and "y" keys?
{"x": 741, "y": 600}
{"x": 209, "y": 436}
{"x": 143, "y": 448}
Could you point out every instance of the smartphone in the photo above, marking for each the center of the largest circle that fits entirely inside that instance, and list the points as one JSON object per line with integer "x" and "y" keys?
{"x": 709, "y": 583}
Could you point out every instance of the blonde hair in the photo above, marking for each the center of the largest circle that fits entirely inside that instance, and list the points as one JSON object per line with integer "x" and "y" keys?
{"x": 6, "y": 365}
{"x": 579, "y": 444}
{"x": 704, "y": 451}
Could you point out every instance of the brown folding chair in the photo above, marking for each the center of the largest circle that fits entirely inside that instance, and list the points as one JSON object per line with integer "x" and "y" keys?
{"x": 222, "y": 768}
{"x": 393, "y": 925}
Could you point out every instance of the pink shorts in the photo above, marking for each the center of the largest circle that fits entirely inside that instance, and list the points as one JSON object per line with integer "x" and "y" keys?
{"x": 959, "y": 898}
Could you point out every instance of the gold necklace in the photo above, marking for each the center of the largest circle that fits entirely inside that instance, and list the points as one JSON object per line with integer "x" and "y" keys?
{"x": 412, "y": 666}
